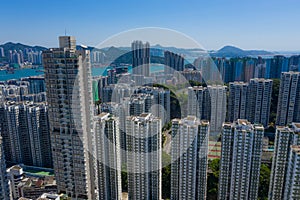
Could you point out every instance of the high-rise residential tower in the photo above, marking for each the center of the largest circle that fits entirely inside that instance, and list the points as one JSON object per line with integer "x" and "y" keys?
{"x": 240, "y": 160}
{"x": 140, "y": 58}
{"x": 198, "y": 102}
{"x": 250, "y": 101}
{"x": 160, "y": 106}
{"x": 208, "y": 103}
{"x": 288, "y": 109}
{"x": 259, "y": 101}
{"x": 189, "y": 158}
{"x": 217, "y": 102}
{"x": 143, "y": 142}
{"x": 4, "y": 189}
{"x": 284, "y": 138}
{"x": 68, "y": 87}
{"x": 25, "y": 131}
{"x": 173, "y": 62}
{"x": 292, "y": 186}
{"x": 237, "y": 101}
{"x": 108, "y": 157}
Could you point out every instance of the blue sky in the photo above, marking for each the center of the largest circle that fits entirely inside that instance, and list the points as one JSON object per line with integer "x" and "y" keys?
{"x": 256, "y": 24}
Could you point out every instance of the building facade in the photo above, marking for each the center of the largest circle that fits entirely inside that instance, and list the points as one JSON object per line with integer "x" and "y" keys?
{"x": 240, "y": 160}
{"x": 237, "y": 101}
{"x": 288, "y": 109}
{"x": 69, "y": 95}
{"x": 251, "y": 101}
{"x": 198, "y": 102}
{"x": 173, "y": 62}
{"x": 292, "y": 186}
{"x": 4, "y": 189}
{"x": 189, "y": 158}
{"x": 143, "y": 143}
{"x": 25, "y": 130}
{"x": 140, "y": 58}
{"x": 108, "y": 173}
{"x": 284, "y": 138}
{"x": 217, "y": 102}
{"x": 259, "y": 101}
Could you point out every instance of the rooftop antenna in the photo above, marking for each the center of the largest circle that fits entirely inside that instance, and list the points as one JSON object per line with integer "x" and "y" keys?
{"x": 65, "y": 32}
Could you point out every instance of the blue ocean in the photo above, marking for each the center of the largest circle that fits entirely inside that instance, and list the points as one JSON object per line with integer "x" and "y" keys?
{"x": 21, "y": 73}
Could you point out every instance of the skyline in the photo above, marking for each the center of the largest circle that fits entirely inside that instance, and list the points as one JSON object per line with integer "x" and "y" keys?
{"x": 247, "y": 25}
{"x": 133, "y": 134}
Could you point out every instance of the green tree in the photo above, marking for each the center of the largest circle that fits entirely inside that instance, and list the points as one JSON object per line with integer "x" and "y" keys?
{"x": 274, "y": 101}
{"x": 264, "y": 182}
{"x": 124, "y": 178}
{"x": 166, "y": 176}
{"x": 213, "y": 178}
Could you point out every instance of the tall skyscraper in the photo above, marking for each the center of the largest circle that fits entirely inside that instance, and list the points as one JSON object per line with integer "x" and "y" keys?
{"x": 237, "y": 101}
{"x": 277, "y": 66}
{"x": 284, "y": 138}
{"x": 108, "y": 173}
{"x": 4, "y": 189}
{"x": 292, "y": 186}
{"x": 199, "y": 102}
{"x": 144, "y": 142}
{"x": 240, "y": 160}
{"x": 259, "y": 101}
{"x": 189, "y": 158}
{"x": 173, "y": 62}
{"x": 288, "y": 109}
{"x": 160, "y": 106}
{"x": 38, "y": 128}
{"x": 260, "y": 70}
{"x": 217, "y": 101}
{"x": 208, "y": 103}
{"x": 250, "y": 101}
{"x": 69, "y": 94}
{"x": 25, "y": 131}
{"x": 140, "y": 58}
{"x": 140, "y": 103}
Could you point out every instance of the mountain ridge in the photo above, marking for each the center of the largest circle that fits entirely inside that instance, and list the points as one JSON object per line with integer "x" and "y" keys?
{"x": 225, "y": 51}
{"x": 232, "y": 51}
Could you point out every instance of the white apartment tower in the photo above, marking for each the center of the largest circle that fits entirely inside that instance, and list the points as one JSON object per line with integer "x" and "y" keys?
{"x": 68, "y": 88}
{"x": 173, "y": 62}
{"x": 284, "y": 138}
{"x": 250, "y": 101}
{"x": 198, "y": 102}
{"x": 189, "y": 158}
{"x": 25, "y": 131}
{"x": 140, "y": 58}
{"x": 144, "y": 148}
{"x": 288, "y": 109}
{"x": 4, "y": 189}
{"x": 108, "y": 157}
{"x": 292, "y": 186}
{"x": 237, "y": 102}
{"x": 240, "y": 160}
{"x": 218, "y": 103}
{"x": 259, "y": 101}
{"x": 208, "y": 103}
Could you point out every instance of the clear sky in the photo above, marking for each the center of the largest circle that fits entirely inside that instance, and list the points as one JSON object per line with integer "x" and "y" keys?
{"x": 255, "y": 24}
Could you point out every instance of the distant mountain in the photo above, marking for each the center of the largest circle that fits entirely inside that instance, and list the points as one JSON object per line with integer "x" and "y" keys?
{"x": 124, "y": 54}
{"x": 231, "y": 51}
{"x": 18, "y": 46}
